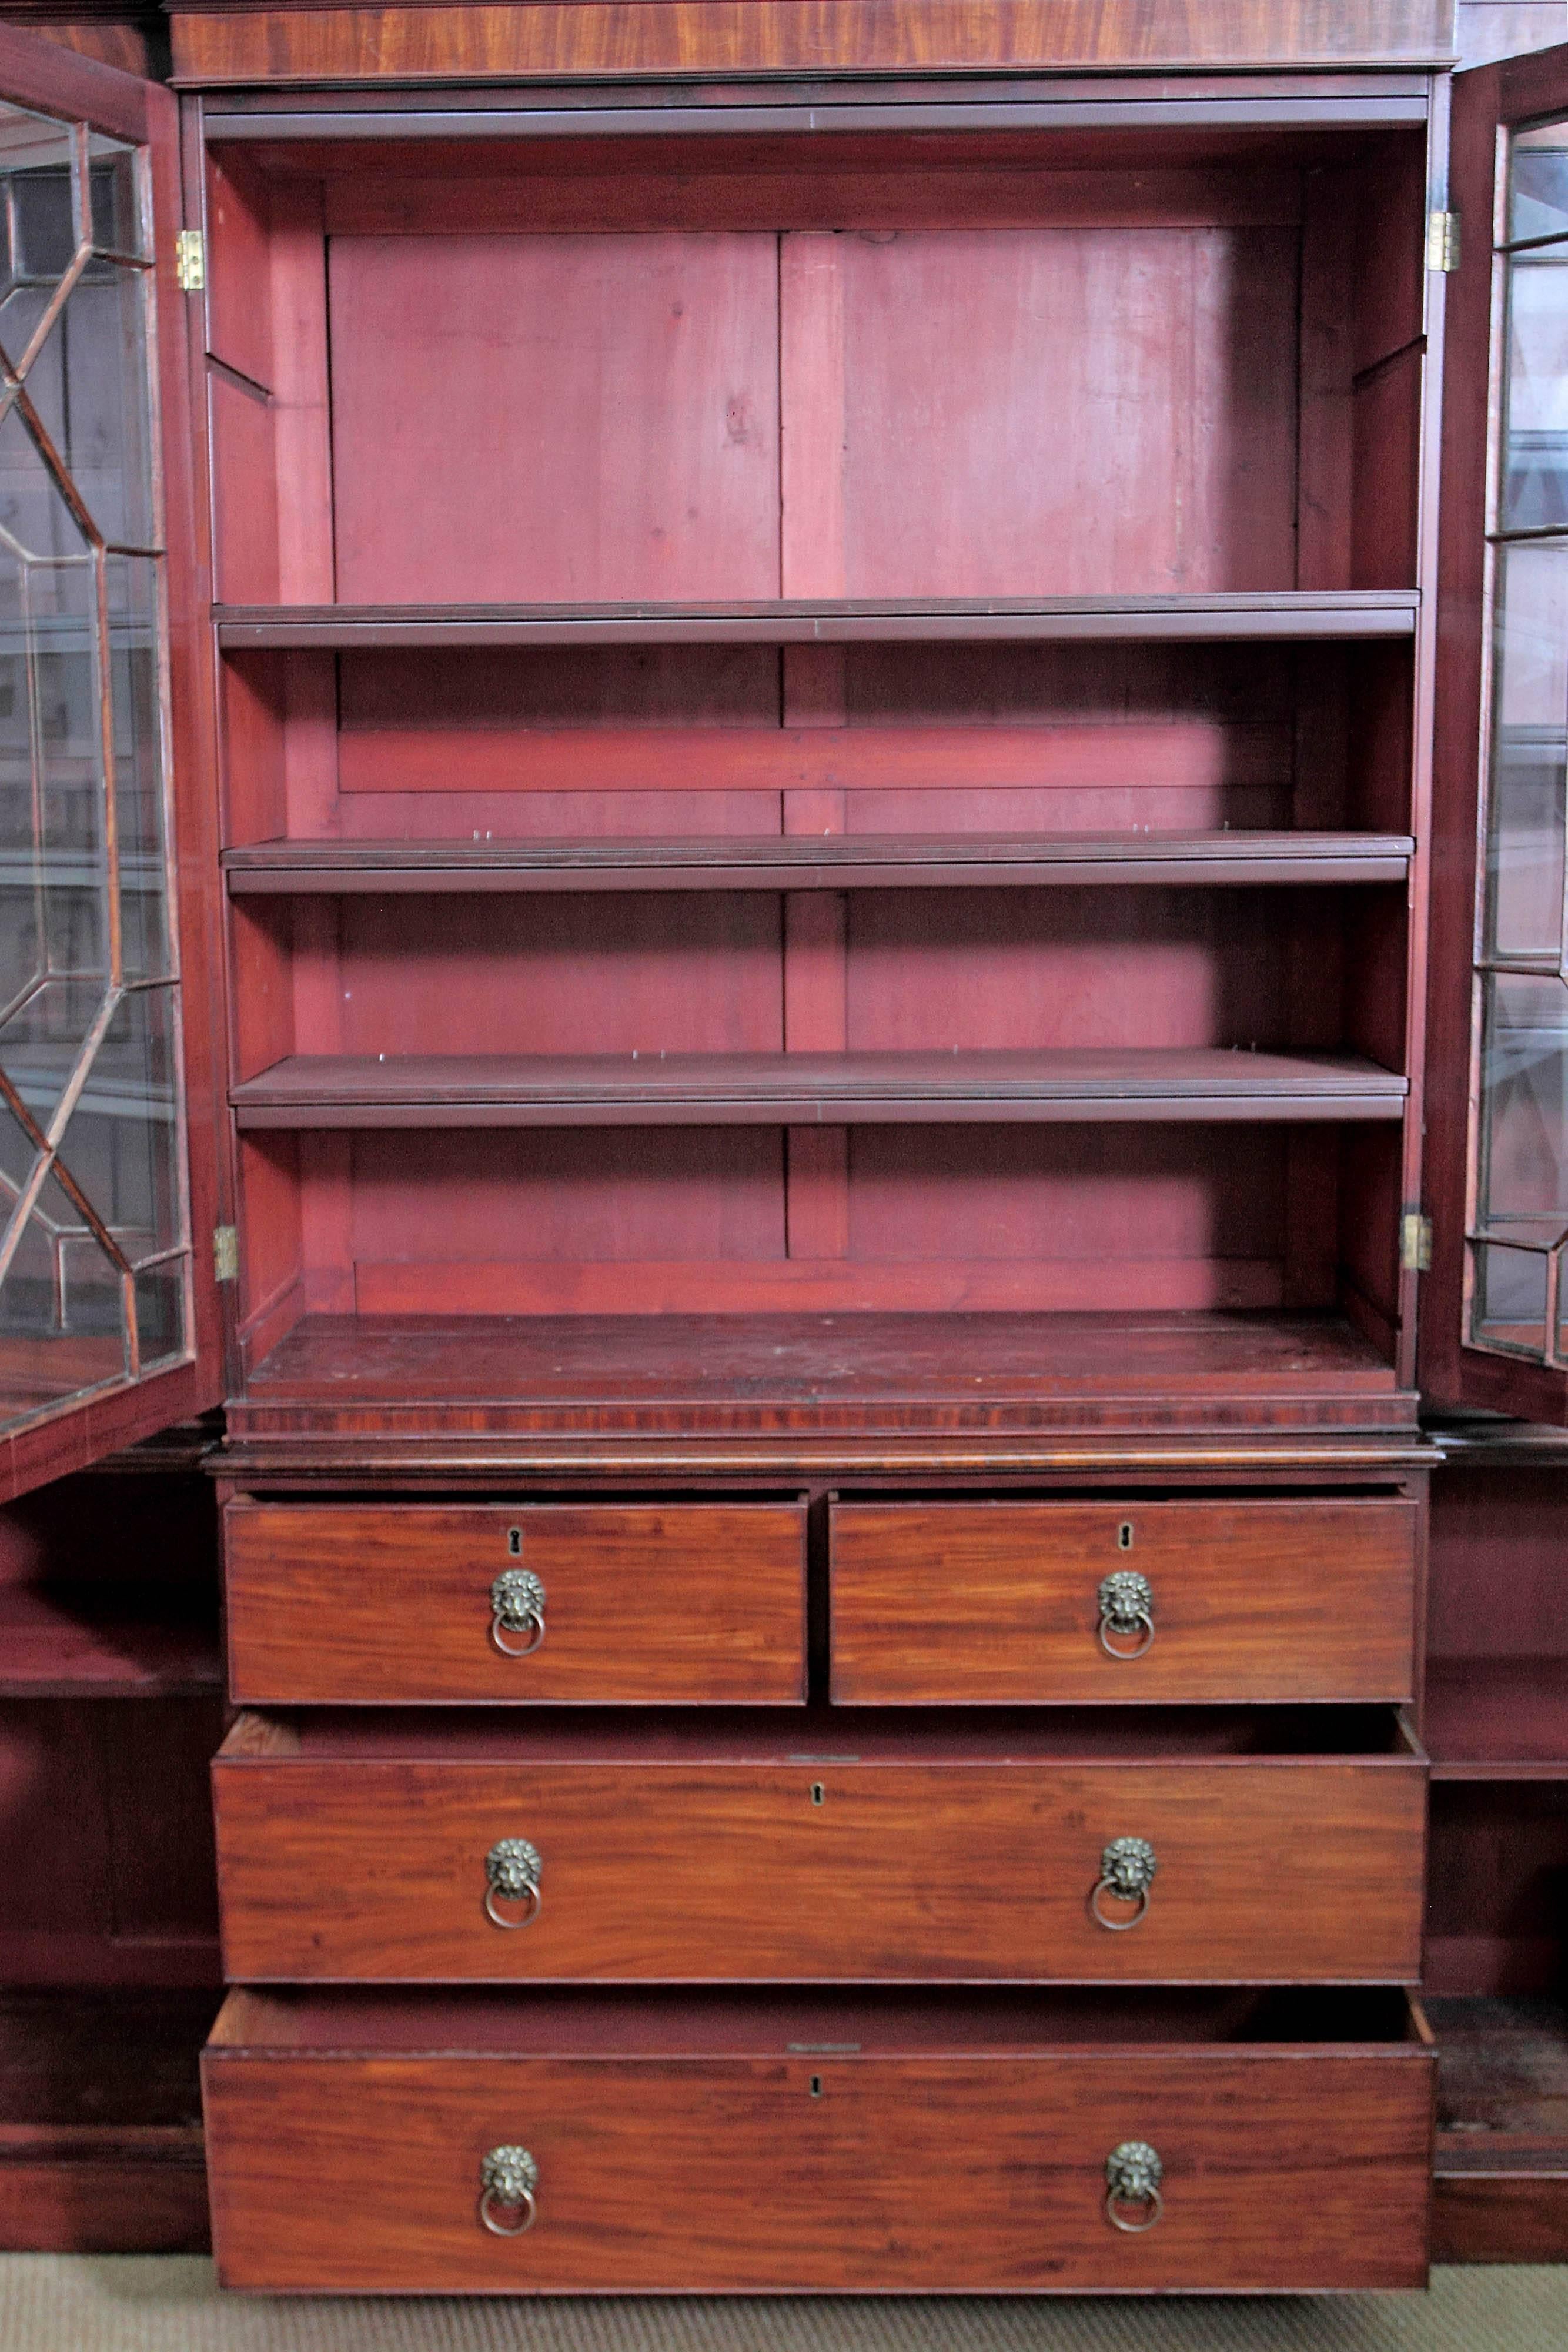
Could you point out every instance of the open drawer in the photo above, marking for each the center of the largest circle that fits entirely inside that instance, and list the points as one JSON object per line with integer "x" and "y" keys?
{"x": 1183, "y": 1845}
{"x": 547, "y": 2142}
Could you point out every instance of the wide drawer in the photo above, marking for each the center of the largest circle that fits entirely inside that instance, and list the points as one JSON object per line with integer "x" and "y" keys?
{"x": 608, "y": 1604}
{"x": 1243, "y": 1602}
{"x": 750, "y": 2144}
{"x": 357, "y": 1847}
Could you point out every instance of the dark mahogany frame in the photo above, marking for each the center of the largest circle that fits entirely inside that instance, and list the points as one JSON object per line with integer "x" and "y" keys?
{"x": 1487, "y": 100}
{"x": 35, "y": 72}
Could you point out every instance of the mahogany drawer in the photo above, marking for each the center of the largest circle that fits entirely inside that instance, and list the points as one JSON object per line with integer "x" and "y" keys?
{"x": 343, "y": 1603}
{"x": 357, "y": 1847}
{"x": 1247, "y": 1603}
{"x": 745, "y": 2144}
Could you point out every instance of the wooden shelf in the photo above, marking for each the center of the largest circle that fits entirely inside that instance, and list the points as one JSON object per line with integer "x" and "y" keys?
{"x": 1282, "y": 613}
{"x": 1497, "y": 1719}
{"x": 840, "y": 862}
{"x": 410, "y": 1090}
{"x": 58, "y": 1642}
{"x": 1500, "y": 2160}
{"x": 911, "y": 1388}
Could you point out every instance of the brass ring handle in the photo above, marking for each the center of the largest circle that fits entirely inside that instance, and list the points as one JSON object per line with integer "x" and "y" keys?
{"x": 518, "y": 1606}
{"x": 1126, "y": 1613}
{"x": 1133, "y": 2176}
{"x": 512, "y": 1869}
{"x": 509, "y": 2177}
{"x": 1127, "y": 1869}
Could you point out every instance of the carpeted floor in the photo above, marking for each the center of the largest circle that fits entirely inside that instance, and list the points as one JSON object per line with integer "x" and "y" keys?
{"x": 61, "y": 2303}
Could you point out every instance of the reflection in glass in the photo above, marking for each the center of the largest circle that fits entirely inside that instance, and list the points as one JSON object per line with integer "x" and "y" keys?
{"x": 118, "y": 222}
{"x": 160, "y": 1314}
{"x": 1525, "y": 840}
{"x": 1510, "y": 1307}
{"x": 1534, "y": 489}
{"x": 138, "y": 724}
{"x": 94, "y": 1255}
{"x": 1524, "y": 1142}
{"x": 89, "y": 388}
{"x": 47, "y": 1354}
{"x": 1538, "y": 190}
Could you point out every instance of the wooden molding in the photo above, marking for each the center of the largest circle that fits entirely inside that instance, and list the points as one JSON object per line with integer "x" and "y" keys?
{"x": 298, "y": 42}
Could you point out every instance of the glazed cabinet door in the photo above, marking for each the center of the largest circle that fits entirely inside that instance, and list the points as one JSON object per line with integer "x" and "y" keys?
{"x": 1495, "y": 1318}
{"x": 107, "y": 1156}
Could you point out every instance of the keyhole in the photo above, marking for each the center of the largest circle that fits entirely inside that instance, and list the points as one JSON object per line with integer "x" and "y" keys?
{"x": 1124, "y": 1536}
{"x": 816, "y": 2086}
{"x": 818, "y": 1794}
{"x": 515, "y": 1542}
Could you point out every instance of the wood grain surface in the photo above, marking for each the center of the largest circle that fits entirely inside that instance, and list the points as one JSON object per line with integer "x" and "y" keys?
{"x": 343, "y": 1604}
{"x": 780, "y": 2167}
{"x": 304, "y": 43}
{"x": 865, "y": 1854}
{"x": 966, "y": 1603}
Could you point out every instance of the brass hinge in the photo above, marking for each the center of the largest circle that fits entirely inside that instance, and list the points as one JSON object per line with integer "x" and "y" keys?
{"x": 1415, "y": 1243}
{"x": 1442, "y": 241}
{"x": 189, "y": 261}
{"x": 226, "y": 1252}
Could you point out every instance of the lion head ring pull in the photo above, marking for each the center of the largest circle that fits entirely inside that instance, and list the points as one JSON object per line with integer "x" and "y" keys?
{"x": 1133, "y": 2176}
{"x": 516, "y": 1608}
{"x": 1126, "y": 1613}
{"x": 1127, "y": 1874}
{"x": 509, "y": 2180}
{"x": 512, "y": 1870}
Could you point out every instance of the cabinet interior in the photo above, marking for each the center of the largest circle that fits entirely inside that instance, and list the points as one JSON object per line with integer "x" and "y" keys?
{"x": 906, "y": 376}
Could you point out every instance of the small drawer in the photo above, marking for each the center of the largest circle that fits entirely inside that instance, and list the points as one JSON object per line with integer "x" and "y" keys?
{"x": 1194, "y": 1849}
{"x": 1223, "y": 1603}
{"x": 604, "y": 1603}
{"x": 369, "y": 2143}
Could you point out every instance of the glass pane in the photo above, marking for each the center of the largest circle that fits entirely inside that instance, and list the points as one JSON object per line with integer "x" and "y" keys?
{"x": 88, "y": 385}
{"x": 116, "y": 213}
{"x": 1511, "y": 1298}
{"x": 42, "y": 1040}
{"x": 95, "y": 1274}
{"x": 1524, "y": 1139}
{"x": 138, "y": 773}
{"x": 92, "y": 1290}
{"x": 1534, "y": 487}
{"x": 121, "y": 1145}
{"x": 60, "y": 1330}
{"x": 1530, "y": 749}
{"x": 1538, "y": 198}
{"x": 160, "y": 1314}
{"x": 39, "y": 220}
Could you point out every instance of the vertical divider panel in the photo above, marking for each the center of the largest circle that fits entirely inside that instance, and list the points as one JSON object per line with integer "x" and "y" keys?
{"x": 306, "y": 575}
{"x": 811, "y": 564}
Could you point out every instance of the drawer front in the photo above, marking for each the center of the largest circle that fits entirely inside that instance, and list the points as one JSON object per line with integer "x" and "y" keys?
{"x": 1280, "y": 2170}
{"x": 1241, "y": 1603}
{"x": 629, "y": 1603}
{"x": 1267, "y": 1872}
